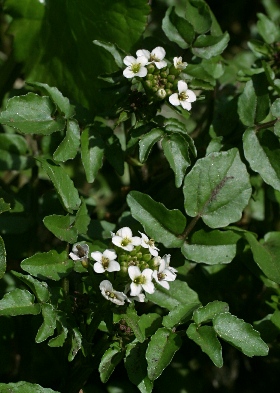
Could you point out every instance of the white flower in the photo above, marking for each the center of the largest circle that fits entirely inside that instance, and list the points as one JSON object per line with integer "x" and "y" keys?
{"x": 135, "y": 67}
{"x": 184, "y": 98}
{"x": 105, "y": 261}
{"x": 124, "y": 239}
{"x": 109, "y": 293}
{"x": 179, "y": 64}
{"x": 164, "y": 273}
{"x": 79, "y": 252}
{"x": 156, "y": 56}
{"x": 150, "y": 244}
{"x": 139, "y": 298}
{"x": 140, "y": 280}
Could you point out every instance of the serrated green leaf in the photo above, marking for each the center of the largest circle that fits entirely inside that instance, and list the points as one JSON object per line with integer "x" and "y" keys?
{"x": 217, "y": 189}
{"x": 178, "y": 294}
{"x": 109, "y": 361}
{"x": 68, "y": 148}
{"x": 268, "y": 29}
{"x": 266, "y": 253}
{"x": 262, "y": 151}
{"x": 161, "y": 224}
{"x": 62, "y": 227}
{"x": 206, "y": 338}
{"x": 24, "y": 387}
{"x": 147, "y": 141}
{"x": 92, "y": 151}
{"x": 239, "y": 334}
{"x": 180, "y": 314}
{"x": 63, "y": 184}
{"x": 253, "y": 103}
{"x": 3, "y": 262}
{"x": 32, "y": 114}
{"x": 39, "y": 288}
{"x": 211, "y": 247}
{"x": 208, "y": 312}
{"x": 207, "y": 46}
{"x": 198, "y": 14}
{"x": 176, "y": 150}
{"x": 56, "y": 96}
{"x": 48, "y": 265}
{"x": 136, "y": 366}
{"x": 161, "y": 349}
{"x": 47, "y": 328}
{"x": 19, "y": 302}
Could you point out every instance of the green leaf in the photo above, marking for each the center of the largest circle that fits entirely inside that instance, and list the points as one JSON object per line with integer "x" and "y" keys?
{"x": 253, "y": 103}
{"x": 207, "y": 46}
{"x": 217, "y": 189}
{"x": 92, "y": 151}
{"x": 268, "y": 29}
{"x": 275, "y": 108}
{"x": 132, "y": 319}
{"x": 32, "y": 114}
{"x": 266, "y": 253}
{"x": 147, "y": 141}
{"x": 149, "y": 323}
{"x": 4, "y": 206}
{"x": 14, "y": 153}
{"x": 176, "y": 126}
{"x": 48, "y": 265}
{"x": 39, "y": 288}
{"x": 3, "y": 262}
{"x": 62, "y": 227}
{"x": 208, "y": 312}
{"x": 179, "y": 294}
{"x": 136, "y": 366}
{"x": 47, "y": 328}
{"x": 109, "y": 361}
{"x": 64, "y": 185}
{"x": 161, "y": 349}
{"x": 57, "y": 98}
{"x": 180, "y": 314}
{"x": 211, "y": 247}
{"x": 176, "y": 151}
{"x": 62, "y": 329}
{"x": 239, "y": 334}
{"x": 19, "y": 302}
{"x": 177, "y": 29}
{"x": 161, "y": 224}
{"x": 24, "y": 387}
{"x": 76, "y": 344}
{"x": 117, "y": 54}
{"x": 262, "y": 151}
{"x": 82, "y": 219}
{"x": 198, "y": 14}
{"x": 206, "y": 338}
{"x": 66, "y": 57}
{"x": 68, "y": 148}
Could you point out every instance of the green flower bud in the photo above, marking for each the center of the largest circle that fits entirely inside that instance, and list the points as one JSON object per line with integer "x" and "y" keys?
{"x": 149, "y": 84}
{"x": 144, "y": 265}
{"x": 171, "y": 78}
{"x": 169, "y": 85}
{"x": 169, "y": 92}
{"x": 123, "y": 271}
{"x": 123, "y": 258}
{"x": 146, "y": 257}
{"x": 139, "y": 255}
{"x": 161, "y": 93}
{"x": 85, "y": 263}
{"x": 174, "y": 71}
{"x": 150, "y": 77}
{"x": 164, "y": 74}
{"x": 150, "y": 68}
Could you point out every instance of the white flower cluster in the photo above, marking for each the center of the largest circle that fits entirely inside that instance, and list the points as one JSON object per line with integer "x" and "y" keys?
{"x": 158, "y": 83}
{"x": 138, "y": 268}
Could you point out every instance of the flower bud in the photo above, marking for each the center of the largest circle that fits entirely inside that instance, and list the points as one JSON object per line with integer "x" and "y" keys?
{"x": 123, "y": 270}
{"x": 139, "y": 255}
{"x": 164, "y": 74}
{"x": 169, "y": 92}
{"x": 144, "y": 265}
{"x": 171, "y": 78}
{"x": 149, "y": 84}
{"x": 123, "y": 258}
{"x": 161, "y": 93}
{"x": 150, "y": 68}
{"x": 84, "y": 263}
{"x": 169, "y": 85}
{"x": 146, "y": 257}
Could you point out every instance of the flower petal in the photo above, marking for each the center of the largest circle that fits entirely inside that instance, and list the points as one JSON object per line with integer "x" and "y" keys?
{"x": 128, "y": 60}
{"x": 149, "y": 287}
{"x": 127, "y": 73}
{"x": 110, "y": 254}
{"x": 113, "y": 266}
{"x": 143, "y": 52}
{"x": 158, "y": 52}
{"x": 182, "y": 86}
{"x": 186, "y": 105}
{"x": 124, "y": 232}
{"x": 164, "y": 284}
{"x": 191, "y": 95}
{"x": 74, "y": 257}
{"x": 135, "y": 289}
{"x": 160, "y": 64}
{"x": 106, "y": 285}
{"x": 97, "y": 256}
{"x": 133, "y": 272}
{"x": 142, "y": 60}
{"x": 98, "y": 267}
{"x": 174, "y": 99}
{"x": 142, "y": 72}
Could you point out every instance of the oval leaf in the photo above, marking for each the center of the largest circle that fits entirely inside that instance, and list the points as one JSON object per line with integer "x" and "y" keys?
{"x": 19, "y": 302}
{"x": 68, "y": 148}
{"x": 47, "y": 328}
{"x": 207, "y": 46}
{"x": 39, "y": 288}
{"x": 208, "y": 312}
{"x": 109, "y": 361}
{"x": 147, "y": 142}
{"x": 240, "y": 334}
{"x": 61, "y": 227}
{"x": 161, "y": 224}
{"x": 161, "y": 349}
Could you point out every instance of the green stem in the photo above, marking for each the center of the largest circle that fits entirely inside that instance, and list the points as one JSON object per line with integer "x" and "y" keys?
{"x": 266, "y": 125}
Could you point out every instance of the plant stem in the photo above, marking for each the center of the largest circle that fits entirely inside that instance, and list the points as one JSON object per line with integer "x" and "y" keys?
{"x": 190, "y": 227}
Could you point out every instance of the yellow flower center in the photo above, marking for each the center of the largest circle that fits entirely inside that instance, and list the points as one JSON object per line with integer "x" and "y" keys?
{"x": 183, "y": 96}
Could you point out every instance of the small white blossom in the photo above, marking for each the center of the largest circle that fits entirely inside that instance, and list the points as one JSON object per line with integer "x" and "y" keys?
{"x": 124, "y": 239}
{"x": 150, "y": 244}
{"x": 109, "y": 293}
{"x": 164, "y": 273}
{"x": 179, "y": 64}
{"x": 156, "y": 56}
{"x": 105, "y": 261}
{"x": 140, "y": 298}
{"x": 135, "y": 67}
{"x": 140, "y": 280}
{"x": 79, "y": 252}
{"x": 184, "y": 98}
